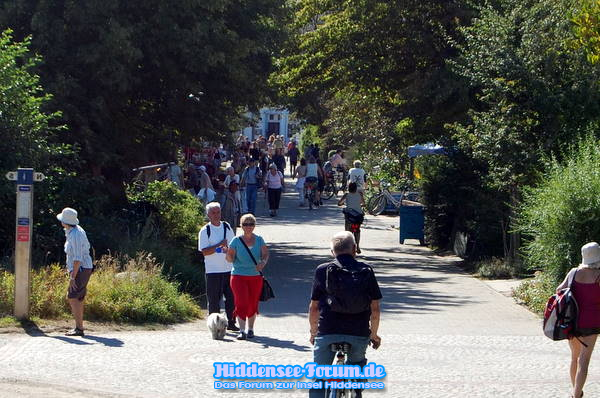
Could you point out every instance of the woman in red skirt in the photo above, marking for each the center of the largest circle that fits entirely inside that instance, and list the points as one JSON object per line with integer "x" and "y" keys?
{"x": 249, "y": 255}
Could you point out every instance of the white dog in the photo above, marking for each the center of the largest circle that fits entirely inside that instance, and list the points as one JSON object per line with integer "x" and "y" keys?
{"x": 217, "y": 324}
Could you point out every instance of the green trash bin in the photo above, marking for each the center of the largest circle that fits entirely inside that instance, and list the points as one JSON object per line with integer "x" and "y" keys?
{"x": 412, "y": 223}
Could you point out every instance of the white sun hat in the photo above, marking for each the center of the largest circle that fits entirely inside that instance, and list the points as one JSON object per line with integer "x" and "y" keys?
{"x": 590, "y": 253}
{"x": 68, "y": 216}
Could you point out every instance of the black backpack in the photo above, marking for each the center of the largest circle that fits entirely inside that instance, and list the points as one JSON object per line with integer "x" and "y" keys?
{"x": 348, "y": 290}
{"x": 225, "y": 228}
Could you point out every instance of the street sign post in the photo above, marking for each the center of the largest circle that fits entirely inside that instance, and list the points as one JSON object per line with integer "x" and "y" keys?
{"x": 23, "y": 226}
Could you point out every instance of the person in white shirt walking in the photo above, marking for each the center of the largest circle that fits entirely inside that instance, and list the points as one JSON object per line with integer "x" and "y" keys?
{"x": 357, "y": 175}
{"x": 213, "y": 242}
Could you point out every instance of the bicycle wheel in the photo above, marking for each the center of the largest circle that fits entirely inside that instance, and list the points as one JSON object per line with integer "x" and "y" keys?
{"x": 311, "y": 199}
{"x": 329, "y": 191}
{"x": 376, "y": 205}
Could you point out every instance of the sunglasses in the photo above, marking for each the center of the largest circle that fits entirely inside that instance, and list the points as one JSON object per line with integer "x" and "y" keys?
{"x": 248, "y": 224}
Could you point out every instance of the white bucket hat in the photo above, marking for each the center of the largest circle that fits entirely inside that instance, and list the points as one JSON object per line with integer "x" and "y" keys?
{"x": 590, "y": 253}
{"x": 68, "y": 216}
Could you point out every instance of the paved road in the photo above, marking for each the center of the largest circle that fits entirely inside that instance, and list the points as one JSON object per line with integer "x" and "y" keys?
{"x": 445, "y": 334}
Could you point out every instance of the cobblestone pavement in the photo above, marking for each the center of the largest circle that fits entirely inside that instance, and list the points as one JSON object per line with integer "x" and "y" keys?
{"x": 445, "y": 334}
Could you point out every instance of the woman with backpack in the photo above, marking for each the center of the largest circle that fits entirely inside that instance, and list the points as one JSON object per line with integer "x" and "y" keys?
{"x": 586, "y": 289}
{"x": 353, "y": 212}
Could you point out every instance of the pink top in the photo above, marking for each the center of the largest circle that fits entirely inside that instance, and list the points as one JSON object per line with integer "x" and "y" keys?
{"x": 274, "y": 181}
{"x": 588, "y": 300}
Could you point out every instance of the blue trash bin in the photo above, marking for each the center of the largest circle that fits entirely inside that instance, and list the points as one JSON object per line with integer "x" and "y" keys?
{"x": 412, "y": 223}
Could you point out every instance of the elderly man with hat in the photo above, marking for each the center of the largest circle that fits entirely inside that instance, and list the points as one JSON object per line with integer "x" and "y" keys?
{"x": 79, "y": 265}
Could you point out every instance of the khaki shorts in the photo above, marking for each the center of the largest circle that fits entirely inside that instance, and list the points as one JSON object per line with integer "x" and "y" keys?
{"x": 81, "y": 281}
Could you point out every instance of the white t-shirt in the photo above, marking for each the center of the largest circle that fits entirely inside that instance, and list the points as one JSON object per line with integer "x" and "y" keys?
{"x": 357, "y": 176}
{"x": 215, "y": 262}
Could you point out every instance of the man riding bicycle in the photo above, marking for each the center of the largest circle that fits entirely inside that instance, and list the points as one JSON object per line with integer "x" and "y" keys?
{"x": 344, "y": 306}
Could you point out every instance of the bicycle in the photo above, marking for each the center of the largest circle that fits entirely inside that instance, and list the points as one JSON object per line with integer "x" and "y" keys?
{"x": 341, "y": 358}
{"x": 330, "y": 190}
{"x": 378, "y": 202}
{"x": 310, "y": 188}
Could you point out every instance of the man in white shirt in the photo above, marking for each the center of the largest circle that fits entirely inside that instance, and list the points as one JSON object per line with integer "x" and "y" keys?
{"x": 213, "y": 241}
{"x": 357, "y": 175}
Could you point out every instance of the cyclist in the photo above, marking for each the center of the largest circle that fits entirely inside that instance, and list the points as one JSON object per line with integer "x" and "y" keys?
{"x": 338, "y": 163}
{"x": 353, "y": 212}
{"x": 313, "y": 172}
{"x": 335, "y": 323}
{"x": 358, "y": 175}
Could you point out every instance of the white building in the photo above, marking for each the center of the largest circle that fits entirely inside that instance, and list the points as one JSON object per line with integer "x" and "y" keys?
{"x": 271, "y": 121}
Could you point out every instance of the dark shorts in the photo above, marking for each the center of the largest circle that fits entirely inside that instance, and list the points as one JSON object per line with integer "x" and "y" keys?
{"x": 581, "y": 332}
{"x": 81, "y": 281}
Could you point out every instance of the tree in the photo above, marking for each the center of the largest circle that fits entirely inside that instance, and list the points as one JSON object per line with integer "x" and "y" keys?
{"x": 587, "y": 29}
{"x": 535, "y": 94}
{"x": 27, "y": 133}
{"x": 363, "y": 57}
{"x": 135, "y": 78}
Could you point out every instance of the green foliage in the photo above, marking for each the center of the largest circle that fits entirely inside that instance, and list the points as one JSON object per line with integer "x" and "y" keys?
{"x": 587, "y": 29}
{"x": 122, "y": 289}
{"x": 456, "y": 201}
{"x": 27, "y": 133}
{"x": 361, "y": 67}
{"x": 534, "y": 293}
{"x": 7, "y": 292}
{"x": 135, "y": 78}
{"x": 181, "y": 215}
{"x": 534, "y": 93}
{"x": 562, "y": 213}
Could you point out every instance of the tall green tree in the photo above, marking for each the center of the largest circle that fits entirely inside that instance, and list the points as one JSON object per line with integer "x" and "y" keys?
{"x": 28, "y": 134}
{"x": 534, "y": 93}
{"x": 357, "y": 58}
{"x": 134, "y": 78}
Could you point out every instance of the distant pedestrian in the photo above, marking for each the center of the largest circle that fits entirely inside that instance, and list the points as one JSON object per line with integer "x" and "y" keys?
{"x": 279, "y": 160}
{"x": 586, "y": 289}
{"x": 249, "y": 255}
{"x": 232, "y": 206}
{"x": 79, "y": 266}
{"x": 274, "y": 184}
{"x": 293, "y": 154}
{"x": 213, "y": 241}
{"x": 207, "y": 192}
{"x": 251, "y": 179}
{"x": 300, "y": 173}
{"x": 358, "y": 175}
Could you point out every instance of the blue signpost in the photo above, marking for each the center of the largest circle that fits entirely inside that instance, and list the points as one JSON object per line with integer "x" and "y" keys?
{"x": 24, "y": 221}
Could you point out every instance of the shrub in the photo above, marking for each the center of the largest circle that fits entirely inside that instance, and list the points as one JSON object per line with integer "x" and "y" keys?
{"x": 126, "y": 289}
{"x": 563, "y": 212}
{"x": 7, "y": 292}
{"x": 494, "y": 268}
{"x": 122, "y": 289}
{"x": 534, "y": 293}
{"x": 181, "y": 215}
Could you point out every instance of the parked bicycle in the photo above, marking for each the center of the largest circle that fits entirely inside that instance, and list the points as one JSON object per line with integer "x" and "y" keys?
{"x": 381, "y": 199}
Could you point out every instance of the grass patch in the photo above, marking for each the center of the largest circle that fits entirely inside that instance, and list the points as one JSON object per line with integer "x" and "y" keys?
{"x": 122, "y": 289}
{"x": 9, "y": 322}
{"x": 534, "y": 293}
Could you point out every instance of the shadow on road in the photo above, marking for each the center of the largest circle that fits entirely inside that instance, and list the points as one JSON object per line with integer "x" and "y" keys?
{"x": 268, "y": 342}
{"x": 33, "y": 330}
{"x": 291, "y": 272}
